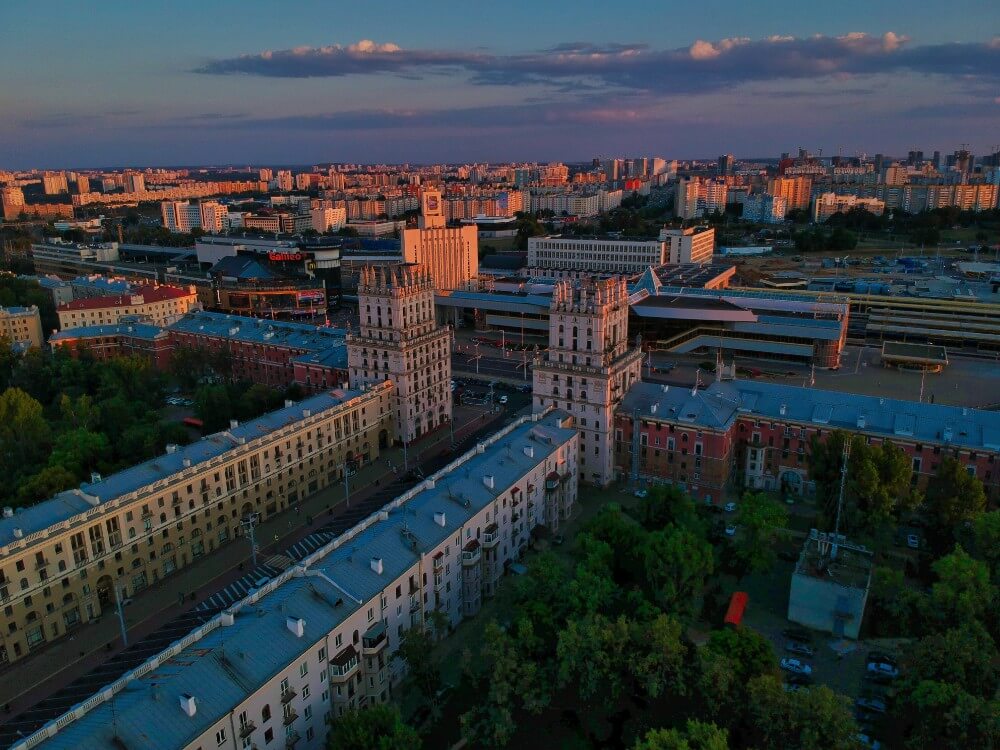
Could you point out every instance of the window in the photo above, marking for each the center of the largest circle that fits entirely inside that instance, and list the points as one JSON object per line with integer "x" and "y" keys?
{"x": 265, "y": 713}
{"x": 220, "y": 737}
{"x": 321, "y": 654}
{"x": 308, "y": 711}
{"x": 268, "y": 736}
{"x": 303, "y": 669}
{"x": 305, "y": 691}
{"x": 339, "y": 640}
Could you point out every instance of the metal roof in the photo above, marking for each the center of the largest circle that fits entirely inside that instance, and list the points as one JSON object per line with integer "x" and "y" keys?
{"x": 135, "y": 330}
{"x": 259, "y": 330}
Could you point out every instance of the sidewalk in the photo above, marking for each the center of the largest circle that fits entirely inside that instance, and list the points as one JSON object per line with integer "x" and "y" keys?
{"x": 30, "y": 680}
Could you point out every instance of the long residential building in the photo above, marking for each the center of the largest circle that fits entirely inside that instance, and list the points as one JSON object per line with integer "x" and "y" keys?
{"x": 60, "y": 559}
{"x": 757, "y": 435}
{"x": 117, "y": 340}
{"x": 275, "y": 353}
{"x": 152, "y": 303}
{"x": 618, "y": 255}
{"x": 278, "y": 667}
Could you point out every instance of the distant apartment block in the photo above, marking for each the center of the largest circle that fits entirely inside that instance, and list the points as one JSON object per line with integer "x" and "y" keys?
{"x": 795, "y": 191}
{"x": 764, "y": 209}
{"x": 690, "y": 245}
{"x": 609, "y": 254}
{"x": 828, "y": 204}
{"x": 22, "y": 326}
{"x": 159, "y": 305}
{"x": 328, "y": 219}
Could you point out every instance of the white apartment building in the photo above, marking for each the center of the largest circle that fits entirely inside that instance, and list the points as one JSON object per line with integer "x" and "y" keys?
{"x": 768, "y": 209}
{"x": 214, "y": 216}
{"x": 588, "y": 366}
{"x": 828, "y": 204}
{"x": 400, "y": 341}
{"x": 180, "y": 216}
{"x": 689, "y": 245}
{"x": 22, "y": 325}
{"x": 328, "y": 219}
{"x": 275, "y": 669}
{"x": 597, "y": 254}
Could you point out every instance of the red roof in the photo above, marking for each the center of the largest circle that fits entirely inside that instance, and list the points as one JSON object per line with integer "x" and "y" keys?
{"x": 737, "y": 605}
{"x": 148, "y": 292}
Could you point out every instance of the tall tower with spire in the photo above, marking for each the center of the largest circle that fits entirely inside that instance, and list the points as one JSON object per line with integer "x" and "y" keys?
{"x": 400, "y": 340}
{"x": 589, "y": 366}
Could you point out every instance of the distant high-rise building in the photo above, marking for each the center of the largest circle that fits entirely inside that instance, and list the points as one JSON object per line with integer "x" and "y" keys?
{"x": 937, "y": 160}
{"x": 768, "y": 209}
{"x": 214, "y": 216}
{"x": 795, "y": 190}
{"x": 265, "y": 175}
{"x": 450, "y": 255}
{"x": 915, "y": 158}
{"x": 589, "y": 366}
{"x": 285, "y": 182}
{"x": 82, "y": 184}
{"x": 180, "y": 216}
{"x": 400, "y": 341}
{"x": 962, "y": 161}
{"x": 727, "y": 164}
{"x": 134, "y": 182}
{"x": 54, "y": 183}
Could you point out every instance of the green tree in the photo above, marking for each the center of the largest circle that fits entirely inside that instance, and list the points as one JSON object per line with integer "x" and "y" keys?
{"x": 802, "y": 720}
{"x": 986, "y": 541}
{"x": 759, "y": 521}
{"x": 697, "y": 735}
{"x": 897, "y": 609}
{"x": 45, "y": 484}
{"x": 377, "y": 728}
{"x": 943, "y": 716}
{"x": 726, "y": 665}
{"x": 953, "y": 496}
{"x": 213, "y": 407}
{"x": 79, "y": 451}
{"x": 24, "y": 434}
{"x": 416, "y": 650}
{"x": 963, "y": 591}
{"x": 656, "y": 657}
{"x": 677, "y": 562}
{"x": 965, "y": 655}
{"x": 591, "y": 655}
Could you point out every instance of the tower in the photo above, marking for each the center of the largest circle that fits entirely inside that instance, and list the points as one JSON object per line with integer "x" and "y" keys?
{"x": 450, "y": 254}
{"x": 400, "y": 340}
{"x": 589, "y": 366}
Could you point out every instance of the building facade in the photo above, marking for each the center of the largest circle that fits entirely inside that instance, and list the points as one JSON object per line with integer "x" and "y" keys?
{"x": 598, "y": 254}
{"x": 61, "y": 559}
{"x": 795, "y": 190}
{"x": 450, "y": 255}
{"x": 400, "y": 340}
{"x": 279, "y": 666}
{"x": 22, "y": 325}
{"x": 688, "y": 245}
{"x": 757, "y": 435}
{"x": 763, "y": 208}
{"x": 121, "y": 340}
{"x": 828, "y": 204}
{"x": 155, "y": 304}
{"x": 588, "y": 366}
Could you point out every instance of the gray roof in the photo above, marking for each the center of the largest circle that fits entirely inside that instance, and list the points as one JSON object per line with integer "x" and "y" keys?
{"x": 334, "y": 357}
{"x": 135, "y": 330}
{"x": 259, "y": 330}
{"x": 718, "y": 405}
{"x": 67, "y": 504}
{"x": 223, "y": 667}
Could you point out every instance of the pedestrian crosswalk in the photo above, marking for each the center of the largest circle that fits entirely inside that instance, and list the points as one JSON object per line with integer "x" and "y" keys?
{"x": 240, "y": 588}
{"x": 305, "y": 547}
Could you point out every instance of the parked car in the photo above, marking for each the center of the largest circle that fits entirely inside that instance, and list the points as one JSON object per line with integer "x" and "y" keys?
{"x": 730, "y": 507}
{"x": 731, "y": 529}
{"x": 881, "y": 668}
{"x": 802, "y": 649}
{"x": 503, "y": 399}
{"x": 883, "y": 657}
{"x": 913, "y": 541}
{"x": 640, "y": 493}
{"x": 795, "y": 666}
{"x": 871, "y": 704}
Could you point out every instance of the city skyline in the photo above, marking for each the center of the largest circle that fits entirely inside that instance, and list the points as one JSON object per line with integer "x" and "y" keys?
{"x": 157, "y": 86}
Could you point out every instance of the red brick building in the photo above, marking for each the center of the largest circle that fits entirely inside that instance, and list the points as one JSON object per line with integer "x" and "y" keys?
{"x": 122, "y": 340}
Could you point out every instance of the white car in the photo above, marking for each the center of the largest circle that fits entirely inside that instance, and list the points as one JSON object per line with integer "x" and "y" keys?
{"x": 881, "y": 668}
{"x": 730, "y": 507}
{"x": 795, "y": 666}
{"x": 913, "y": 541}
{"x": 731, "y": 529}
{"x": 503, "y": 399}
{"x": 640, "y": 493}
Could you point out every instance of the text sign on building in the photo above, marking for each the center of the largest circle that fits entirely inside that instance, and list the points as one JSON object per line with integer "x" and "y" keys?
{"x": 285, "y": 257}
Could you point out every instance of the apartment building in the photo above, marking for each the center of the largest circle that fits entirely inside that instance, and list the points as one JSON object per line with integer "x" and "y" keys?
{"x": 151, "y": 303}
{"x": 272, "y": 352}
{"x": 278, "y": 667}
{"x": 828, "y": 204}
{"x": 688, "y": 245}
{"x": 401, "y": 340}
{"x": 119, "y": 340}
{"x": 61, "y": 559}
{"x": 326, "y": 219}
{"x": 451, "y": 255}
{"x": 598, "y": 254}
{"x": 588, "y": 366}
{"x": 22, "y": 325}
{"x": 757, "y": 435}
{"x": 767, "y": 209}
{"x": 795, "y": 190}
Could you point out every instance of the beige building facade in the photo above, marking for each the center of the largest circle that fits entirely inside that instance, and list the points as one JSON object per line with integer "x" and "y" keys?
{"x": 159, "y": 305}
{"x": 22, "y": 325}
{"x": 400, "y": 340}
{"x": 689, "y": 245}
{"x": 60, "y": 560}
{"x": 589, "y": 366}
{"x": 451, "y": 255}
{"x": 597, "y": 254}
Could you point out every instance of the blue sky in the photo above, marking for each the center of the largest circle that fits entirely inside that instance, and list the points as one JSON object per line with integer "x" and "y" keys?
{"x": 144, "y": 83}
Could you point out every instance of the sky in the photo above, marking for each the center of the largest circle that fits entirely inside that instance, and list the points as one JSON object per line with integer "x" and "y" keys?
{"x": 203, "y": 82}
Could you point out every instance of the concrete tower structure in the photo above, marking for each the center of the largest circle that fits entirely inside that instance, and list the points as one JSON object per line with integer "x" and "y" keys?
{"x": 589, "y": 366}
{"x": 401, "y": 341}
{"x": 451, "y": 255}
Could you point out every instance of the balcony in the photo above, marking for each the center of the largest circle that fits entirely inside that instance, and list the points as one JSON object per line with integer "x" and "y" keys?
{"x": 289, "y": 716}
{"x": 438, "y": 582}
{"x": 471, "y": 554}
{"x": 491, "y": 536}
{"x": 39, "y": 564}
{"x": 552, "y": 481}
{"x": 414, "y": 604}
{"x": 374, "y": 639}
{"x": 287, "y": 694}
{"x": 291, "y": 738}
{"x": 438, "y": 562}
{"x": 247, "y": 729}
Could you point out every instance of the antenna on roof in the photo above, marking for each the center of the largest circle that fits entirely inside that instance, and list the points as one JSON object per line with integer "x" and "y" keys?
{"x": 840, "y": 498}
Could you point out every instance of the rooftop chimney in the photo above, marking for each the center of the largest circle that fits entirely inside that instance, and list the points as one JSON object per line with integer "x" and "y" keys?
{"x": 233, "y": 424}
{"x": 297, "y": 625}
{"x": 439, "y": 518}
{"x": 8, "y": 512}
{"x": 488, "y": 481}
{"x": 171, "y": 447}
{"x": 188, "y": 704}
{"x": 376, "y": 564}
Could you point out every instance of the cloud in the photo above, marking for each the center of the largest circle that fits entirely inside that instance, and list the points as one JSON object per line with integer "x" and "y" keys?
{"x": 574, "y": 66}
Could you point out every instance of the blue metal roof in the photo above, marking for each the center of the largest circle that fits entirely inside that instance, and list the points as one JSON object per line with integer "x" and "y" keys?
{"x": 718, "y": 405}
{"x": 135, "y": 330}
{"x": 259, "y": 330}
